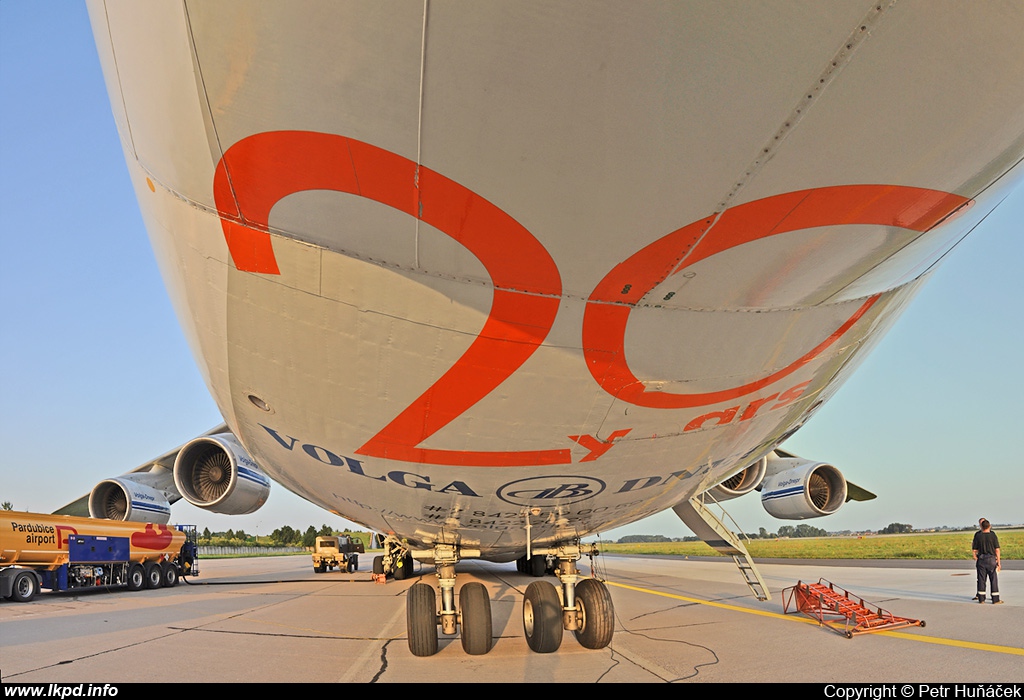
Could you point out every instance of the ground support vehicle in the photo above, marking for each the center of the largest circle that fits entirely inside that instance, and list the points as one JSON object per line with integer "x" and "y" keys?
{"x": 336, "y": 552}
{"x": 60, "y": 553}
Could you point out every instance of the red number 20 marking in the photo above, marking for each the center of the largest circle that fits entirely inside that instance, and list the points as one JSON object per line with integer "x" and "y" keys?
{"x": 262, "y": 169}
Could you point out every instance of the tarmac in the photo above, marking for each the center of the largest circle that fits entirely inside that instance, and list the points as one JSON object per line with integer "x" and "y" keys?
{"x": 678, "y": 620}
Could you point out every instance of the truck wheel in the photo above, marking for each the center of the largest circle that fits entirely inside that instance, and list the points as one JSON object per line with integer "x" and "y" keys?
{"x": 168, "y": 575}
{"x": 136, "y": 577}
{"x": 25, "y": 587}
{"x": 353, "y": 563}
{"x": 154, "y": 576}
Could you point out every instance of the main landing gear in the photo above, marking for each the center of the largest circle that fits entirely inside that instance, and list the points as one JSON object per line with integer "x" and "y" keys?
{"x": 583, "y": 606}
{"x": 396, "y": 561}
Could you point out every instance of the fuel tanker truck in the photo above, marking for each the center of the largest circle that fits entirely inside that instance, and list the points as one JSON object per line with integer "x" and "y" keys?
{"x": 61, "y": 552}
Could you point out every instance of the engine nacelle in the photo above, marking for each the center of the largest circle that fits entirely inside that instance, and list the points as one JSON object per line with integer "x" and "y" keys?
{"x": 216, "y": 473}
{"x": 124, "y": 499}
{"x": 742, "y": 483}
{"x": 797, "y": 489}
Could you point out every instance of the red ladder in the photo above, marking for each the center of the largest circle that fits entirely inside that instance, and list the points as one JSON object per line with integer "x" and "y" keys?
{"x": 840, "y": 611}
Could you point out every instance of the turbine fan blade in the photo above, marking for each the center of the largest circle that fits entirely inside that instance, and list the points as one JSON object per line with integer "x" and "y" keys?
{"x": 820, "y": 490}
{"x": 212, "y": 475}
{"x": 116, "y": 505}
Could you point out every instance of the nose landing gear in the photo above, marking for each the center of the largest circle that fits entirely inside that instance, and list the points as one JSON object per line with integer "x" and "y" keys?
{"x": 581, "y": 605}
{"x": 585, "y": 606}
{"x": 422, "y": 616}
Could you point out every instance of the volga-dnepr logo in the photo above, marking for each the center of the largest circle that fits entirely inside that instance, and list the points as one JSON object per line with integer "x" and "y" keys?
{"x": 559, "y": 489}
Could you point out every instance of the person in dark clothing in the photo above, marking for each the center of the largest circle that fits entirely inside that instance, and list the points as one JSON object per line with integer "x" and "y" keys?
{"x": 986, "y": 556}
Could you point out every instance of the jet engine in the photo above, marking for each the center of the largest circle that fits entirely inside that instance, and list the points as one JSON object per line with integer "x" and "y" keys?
{"x": 797, "y": 488}
{"x": 742, "y": 483}
{"x": 124, "y": 499}
{"x": 216, "y": 473}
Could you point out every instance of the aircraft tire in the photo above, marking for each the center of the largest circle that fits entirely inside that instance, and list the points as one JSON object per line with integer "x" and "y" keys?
{"x": 378, "y": 565}
{"x": 168, "y": 575}
{"x": 476, "y": 619}
{"x": 537, "y": 565}
{"x": 154, "y": 576}
{"x": 594, "y": 603}
{"x": 421, "y": 619}
{"x": 542, "y": 617}
{"x": 24, "y": 587}
{"x": 136, "y": 577}
{"x": 403, "y": 569}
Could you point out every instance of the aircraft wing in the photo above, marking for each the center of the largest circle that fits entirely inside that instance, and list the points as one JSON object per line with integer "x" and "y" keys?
{"x": 210, "y": 471}
{"x": 858, "y": 493}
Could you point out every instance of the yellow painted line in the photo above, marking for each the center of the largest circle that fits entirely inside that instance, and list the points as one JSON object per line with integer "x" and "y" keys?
{"x": 999, "y": 649}
{"x": 713, "y": 604}
{"x": 996, "y": 648}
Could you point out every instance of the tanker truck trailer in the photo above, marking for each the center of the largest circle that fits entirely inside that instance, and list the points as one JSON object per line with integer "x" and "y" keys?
{"x": 61, "y": 552}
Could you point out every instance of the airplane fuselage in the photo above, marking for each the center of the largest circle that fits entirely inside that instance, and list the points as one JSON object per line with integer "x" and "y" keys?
{"x": 452, "y": 270}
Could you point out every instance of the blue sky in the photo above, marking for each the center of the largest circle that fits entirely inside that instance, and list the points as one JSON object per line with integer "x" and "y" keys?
{"x": 96, "y": 378}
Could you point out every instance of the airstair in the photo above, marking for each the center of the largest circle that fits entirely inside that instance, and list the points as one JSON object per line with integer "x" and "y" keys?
{"x": 707, "y": 526}
{"x": 841, "y": 611}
